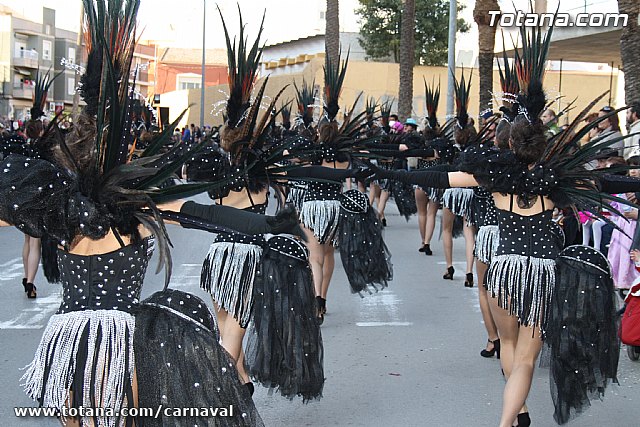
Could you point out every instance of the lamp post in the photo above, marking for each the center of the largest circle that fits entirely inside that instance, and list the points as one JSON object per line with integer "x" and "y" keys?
{"x": 453, "y": 15}
{"x": 204, "y": 53}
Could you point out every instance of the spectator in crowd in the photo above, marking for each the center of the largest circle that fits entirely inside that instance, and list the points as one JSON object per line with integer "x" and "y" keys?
{"x": 610, "y": 129}
{"x": 186, "y": 135}
{"x": 550, "y": 119}
{"x": 632, "y": 144}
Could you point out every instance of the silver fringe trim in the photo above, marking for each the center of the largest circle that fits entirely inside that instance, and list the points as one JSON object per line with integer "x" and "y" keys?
{"x": 58, "y": 350}
{"x": 487, "y": 241}
{"x": 458, "y": 201}
{"x": 321, "y": 217}
{"x": 228, "y": 273}
{"x": 524, "y": 286}
{"x": 296, "y": 196}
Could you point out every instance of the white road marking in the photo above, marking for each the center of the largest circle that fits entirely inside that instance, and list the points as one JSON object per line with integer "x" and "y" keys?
{"x": 384, "y": 323}
{"x": 37, "y": 316}
{"x": 188, "y": 275}
{"x": 12, "y": 270}
{"x": 382, "y": 307}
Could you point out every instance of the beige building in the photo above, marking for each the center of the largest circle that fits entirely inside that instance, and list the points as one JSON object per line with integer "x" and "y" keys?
{"x": 380, "y": 80}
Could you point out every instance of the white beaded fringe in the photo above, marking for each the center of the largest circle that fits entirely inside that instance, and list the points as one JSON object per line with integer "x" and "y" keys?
{"x": 58, "y": 350}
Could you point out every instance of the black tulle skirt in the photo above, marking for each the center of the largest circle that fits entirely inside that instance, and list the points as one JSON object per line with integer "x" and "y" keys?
{"x": 405, "y": 198}
{"x": 365, "y": 257}
{"x": 284, "y": 348}
{"x": 581, "y": 334}
{"x": 180, "y": 365}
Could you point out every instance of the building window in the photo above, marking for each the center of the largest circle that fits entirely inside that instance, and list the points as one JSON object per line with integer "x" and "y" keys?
{"x": 71, "y": 58}
{"x": 188, "y": 81}
{"x": 71, "y": 86}
{"x": 46, "y": 49}
{"x": 322, "y": 16}
{"x": 189, "y": 85}
{"x": 47, "y": 29}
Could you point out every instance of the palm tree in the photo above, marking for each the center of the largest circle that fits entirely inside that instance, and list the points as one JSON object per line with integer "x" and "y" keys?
{"x": 630, "y": 50}
{"x": 486, "y": 41}
{"x": 332, "y": 31}
{"x": 407, "y": 59}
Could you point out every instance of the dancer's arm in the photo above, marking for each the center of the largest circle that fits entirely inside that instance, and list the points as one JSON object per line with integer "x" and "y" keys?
{"x": 286, "y": 221}
{"x": 616, "y": 184}
{"x": 429, "y": 178}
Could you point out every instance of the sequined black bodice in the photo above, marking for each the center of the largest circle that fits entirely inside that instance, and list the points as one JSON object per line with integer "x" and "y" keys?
{"x": 535, "y": 236}
{"x": 241, "y": 238}
{"x": 322, "y": 191}
{"x": 484, "y": 208}
{"x": 110, "y": 281}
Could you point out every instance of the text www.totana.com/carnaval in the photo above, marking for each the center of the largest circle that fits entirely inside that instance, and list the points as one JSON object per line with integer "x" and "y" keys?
{"x": 160, "y": 411}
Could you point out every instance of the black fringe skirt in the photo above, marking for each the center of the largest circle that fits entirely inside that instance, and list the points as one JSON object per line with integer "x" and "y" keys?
{"x": 365, "y": 257}
{"x": 487, "y": 241}
{"x": 581, "y": 334}
{"x": 284, "y": 348}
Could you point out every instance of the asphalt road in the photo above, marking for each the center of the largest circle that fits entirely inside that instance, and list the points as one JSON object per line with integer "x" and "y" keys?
{"x": 407, "y": 356}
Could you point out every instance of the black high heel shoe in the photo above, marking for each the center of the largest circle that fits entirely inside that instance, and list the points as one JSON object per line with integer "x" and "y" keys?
{"x": 449, "y": 274}
{"x": 427, "y": 249}
{"x": 321, "y": 307}
{"x": 31, "y": 291}
{"x": 495, "y": 350}
{"x": 384, "y": 222}
{"x": 24, "y": 283}
{"x": 523, "y": 420}
{"x": 468, "y": 282}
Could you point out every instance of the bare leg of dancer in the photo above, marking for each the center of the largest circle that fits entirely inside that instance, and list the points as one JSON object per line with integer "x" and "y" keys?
{"x": 447, "y": 236}
{"x": 469, "y": 242}
{"x": 222, "y": 318}
{"x": 422, "y": 202}
{"x": 33, "y": 259}
{"x": 489, "y": 323}
{"x": 374, "y": 193}
{"x": 520, "y": 347}
{"x": 432, "y": 211}
{"x": 327, "y": 268}
{"x": 382, "y": 203}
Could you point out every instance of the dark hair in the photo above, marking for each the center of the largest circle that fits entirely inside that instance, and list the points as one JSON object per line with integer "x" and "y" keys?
{"x": 464, "y": 136}
{"x": 393, "y": 116}
{"x": 503, "y": 132}
{"x": 613, "y": 118}
{"x": 327, "y": 131}
{"x": 635, "y": 109}
{"x": 528, "y": 140}
{"x": 633, "y": 161}
{"x": 34, "y": 129}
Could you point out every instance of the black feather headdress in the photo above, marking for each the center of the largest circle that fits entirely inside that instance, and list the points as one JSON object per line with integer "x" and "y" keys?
{"x": 530, "y": 67}
{"x": 334, "y": 75}
{"x": 432, "y": 98}
{"x": 40, "y": 93}
{"x": 106, "y": 191}
{"x": 305, "y": 99}
{"x": 462, "y": 90}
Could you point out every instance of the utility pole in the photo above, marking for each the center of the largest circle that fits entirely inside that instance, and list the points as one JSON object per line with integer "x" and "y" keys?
{"x": 78, "y": 60}
{"x": 453, "y": 15}
{"x": 204, "y": 54}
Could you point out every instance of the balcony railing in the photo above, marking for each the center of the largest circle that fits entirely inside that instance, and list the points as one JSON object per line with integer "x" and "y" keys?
{"x": 26, "y": 58}
{"x": 22, "y": 91}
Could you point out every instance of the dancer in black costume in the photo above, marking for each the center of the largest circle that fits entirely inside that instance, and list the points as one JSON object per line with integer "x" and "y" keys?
{"x": 103, "y": 348}
{"x": 527, "y": 182}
